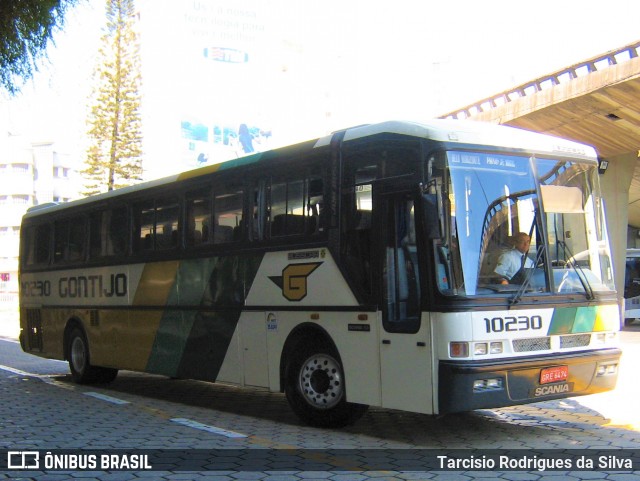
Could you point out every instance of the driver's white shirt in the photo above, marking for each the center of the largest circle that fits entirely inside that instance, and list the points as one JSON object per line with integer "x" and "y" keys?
{"x": 510, "y": 262}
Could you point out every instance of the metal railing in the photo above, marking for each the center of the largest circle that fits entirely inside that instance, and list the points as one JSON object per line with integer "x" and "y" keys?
{"x": 582, "y": 69}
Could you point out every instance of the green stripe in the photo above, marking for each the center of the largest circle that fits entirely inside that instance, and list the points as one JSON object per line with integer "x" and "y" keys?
{"x": 572, "y": 320}
{"x": 192, "y": 343}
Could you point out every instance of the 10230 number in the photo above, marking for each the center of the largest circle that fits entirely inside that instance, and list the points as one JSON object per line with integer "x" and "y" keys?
{"x": 513, "y": 323}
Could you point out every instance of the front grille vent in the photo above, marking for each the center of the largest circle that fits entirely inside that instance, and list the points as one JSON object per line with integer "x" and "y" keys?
{"x": 532, "y": 344}
{"x": 576, "y": 340}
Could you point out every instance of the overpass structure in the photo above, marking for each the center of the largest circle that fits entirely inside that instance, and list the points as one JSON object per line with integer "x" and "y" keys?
{"x": 596, "y": 102}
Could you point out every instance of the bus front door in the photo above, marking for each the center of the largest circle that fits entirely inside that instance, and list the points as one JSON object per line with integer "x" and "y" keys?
{"x": 405, "y": 341}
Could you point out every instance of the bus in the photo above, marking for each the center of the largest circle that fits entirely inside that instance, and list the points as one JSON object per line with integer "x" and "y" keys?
{"x": 356, "y": 269}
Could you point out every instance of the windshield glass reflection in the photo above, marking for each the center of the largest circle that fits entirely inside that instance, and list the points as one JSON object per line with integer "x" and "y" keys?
{"x": 508, "y": 234}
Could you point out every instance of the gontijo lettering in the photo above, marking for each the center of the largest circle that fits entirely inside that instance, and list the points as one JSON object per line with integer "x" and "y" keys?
{"x": 114, "y": 285}
{"x": 93, "y": 286}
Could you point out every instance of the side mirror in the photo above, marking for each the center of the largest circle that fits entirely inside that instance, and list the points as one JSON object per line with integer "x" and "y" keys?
{"x": 431, "y": 210}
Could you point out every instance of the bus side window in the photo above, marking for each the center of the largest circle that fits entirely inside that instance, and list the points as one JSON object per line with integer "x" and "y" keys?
{"x": 294, "y": 207}
{"x": 167, "y": 214}
{"x": 77, "y": 241}
{"x": 287, "y": 208}
{"x": 61, "y": 239}
{"x": 36, "y": 250}
{"x": 227, "y": 215}
{"x": 156, "y": 225}
{"x": 42, "y": 244}
{"x": 108, "y": 233}
{"x": 117, "y": 238}
{"x": 357, "y": 219}
{"x": 315, "y": 206}
{"x": 198, "y": 210}
{"x": 144, "y": 235}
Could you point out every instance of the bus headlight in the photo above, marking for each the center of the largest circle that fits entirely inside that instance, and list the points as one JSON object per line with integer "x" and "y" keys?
{"x": 480, "y": 348}
{"x": 604, "y": 337}
{"x": 483, "y": 348}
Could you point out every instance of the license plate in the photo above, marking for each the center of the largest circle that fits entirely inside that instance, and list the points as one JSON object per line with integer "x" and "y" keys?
{"x": 554, "y": 374}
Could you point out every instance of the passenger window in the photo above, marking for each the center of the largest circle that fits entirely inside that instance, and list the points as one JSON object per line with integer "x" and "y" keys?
{"x": 295, "y": 207}
{"x": 227, "y": 215}
{"x": 198, "y": 218}
{"x": 108, "y": 233}
{"x": 43, "y": 241}
{"x": 36, "y": 250}
{"x": 146, "y": 230}
{"x": 70, "y": 240}
{"x": 157, "y": 225}
{"x": 167, "y": 234}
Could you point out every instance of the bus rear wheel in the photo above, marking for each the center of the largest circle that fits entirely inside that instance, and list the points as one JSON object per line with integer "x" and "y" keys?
{"x": 315, "y": 389}
{"x": 79, "y": 361}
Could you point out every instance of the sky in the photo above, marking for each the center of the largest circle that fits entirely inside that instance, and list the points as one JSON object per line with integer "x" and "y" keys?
{"x": 311, "y": 67}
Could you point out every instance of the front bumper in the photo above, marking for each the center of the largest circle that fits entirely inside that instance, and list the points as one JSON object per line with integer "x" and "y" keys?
{"x": 520, "y": 380}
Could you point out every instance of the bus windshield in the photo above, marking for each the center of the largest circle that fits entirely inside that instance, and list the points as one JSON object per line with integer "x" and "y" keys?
{"x": 518, "y": 225}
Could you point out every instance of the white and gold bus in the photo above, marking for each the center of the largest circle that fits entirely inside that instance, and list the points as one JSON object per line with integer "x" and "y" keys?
{"x": 356, "y": 269}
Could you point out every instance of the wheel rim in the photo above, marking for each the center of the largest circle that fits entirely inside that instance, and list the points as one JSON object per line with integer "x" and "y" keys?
{"x": 321, "y": 382}
{"x": 78, "y": 355}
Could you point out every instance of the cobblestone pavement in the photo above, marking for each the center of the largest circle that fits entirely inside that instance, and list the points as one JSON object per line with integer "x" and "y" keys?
{"x": 41, "y": 409}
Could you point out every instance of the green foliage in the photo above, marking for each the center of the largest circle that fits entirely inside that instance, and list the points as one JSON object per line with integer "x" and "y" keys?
{"x": 26, "y": 26}
{"x": 114, "y": 158}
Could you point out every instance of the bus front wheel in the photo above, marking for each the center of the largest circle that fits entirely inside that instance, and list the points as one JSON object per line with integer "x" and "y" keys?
{"x": 315, "y": 389}
{"x": 79, "y": 361}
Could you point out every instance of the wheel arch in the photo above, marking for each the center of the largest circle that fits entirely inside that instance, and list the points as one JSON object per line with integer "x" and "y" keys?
{"x": 307, "y": 333}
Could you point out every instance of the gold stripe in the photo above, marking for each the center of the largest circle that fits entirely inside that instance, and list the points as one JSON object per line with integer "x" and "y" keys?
{"x": 154, "y": 288}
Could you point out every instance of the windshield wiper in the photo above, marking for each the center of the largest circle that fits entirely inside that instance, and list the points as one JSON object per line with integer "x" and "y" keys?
{"x": 527, "y": 279}
{"x": 582, "y": 277}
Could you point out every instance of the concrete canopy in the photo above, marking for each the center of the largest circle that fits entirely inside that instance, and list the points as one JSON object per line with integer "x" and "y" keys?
{"x": 596, "y": 102}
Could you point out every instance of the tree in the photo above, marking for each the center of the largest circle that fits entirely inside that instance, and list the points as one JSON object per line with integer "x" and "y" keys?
{"x": 114, "y": 156}
{"x": 26, "y": 27}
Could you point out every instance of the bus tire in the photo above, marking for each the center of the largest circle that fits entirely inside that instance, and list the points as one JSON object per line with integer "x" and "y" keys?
{"x": 80, "y": 362}
{"x": 315, "y": 389}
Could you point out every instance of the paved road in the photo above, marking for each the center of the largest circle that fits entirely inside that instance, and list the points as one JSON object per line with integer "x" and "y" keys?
{"x": 41, "y": 409}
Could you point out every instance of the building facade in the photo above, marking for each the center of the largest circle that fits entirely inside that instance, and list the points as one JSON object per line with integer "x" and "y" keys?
{"x": 31, "y": 173}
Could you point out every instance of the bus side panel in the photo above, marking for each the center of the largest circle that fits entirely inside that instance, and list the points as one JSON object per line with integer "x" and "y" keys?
{"x": 356, "y": 341}
{"x": 203, "y": 299}
{"x": 306, "y": 286}
{"x": 107, "y": 336}
{"x": 406, "y": 369}
{"x": 253, "y": 356}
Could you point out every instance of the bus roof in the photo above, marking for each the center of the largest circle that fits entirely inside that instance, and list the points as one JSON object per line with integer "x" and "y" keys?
{"x": 452, "y": 132}
{"x": 476, "y": 133}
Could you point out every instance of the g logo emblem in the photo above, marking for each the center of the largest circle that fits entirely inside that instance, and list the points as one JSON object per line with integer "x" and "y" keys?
{"x": 293, "y": 281}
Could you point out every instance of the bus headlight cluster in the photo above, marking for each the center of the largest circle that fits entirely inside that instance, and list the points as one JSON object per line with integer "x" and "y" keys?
{"x": 461, "y": 349}
{"x": 605, "y": 337}
{"x": 483, "y": 348}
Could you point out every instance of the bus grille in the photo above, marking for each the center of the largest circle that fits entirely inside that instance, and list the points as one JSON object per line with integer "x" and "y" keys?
{"x": 577, "y": 340}
{"x": 532, "y": 344}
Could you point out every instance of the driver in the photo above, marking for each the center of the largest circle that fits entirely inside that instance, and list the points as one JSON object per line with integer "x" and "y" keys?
{"x": 511, "y": 261}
